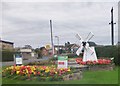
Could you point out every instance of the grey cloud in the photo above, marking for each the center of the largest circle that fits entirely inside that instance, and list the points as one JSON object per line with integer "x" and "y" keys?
{"x": 26, "y": 22}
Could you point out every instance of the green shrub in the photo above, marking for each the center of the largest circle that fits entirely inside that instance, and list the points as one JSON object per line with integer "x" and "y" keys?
{"x": 72, "y": 55}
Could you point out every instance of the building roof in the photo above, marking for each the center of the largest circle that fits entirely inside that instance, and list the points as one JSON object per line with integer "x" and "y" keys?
{"x": 59, "y": 46}
{"x": 118, "y": 43}
{"x": 26, "y": 50}
{"x": 72, "y": 45}
{"x": 92, "y": 43}
{"x": 6, "y": 42}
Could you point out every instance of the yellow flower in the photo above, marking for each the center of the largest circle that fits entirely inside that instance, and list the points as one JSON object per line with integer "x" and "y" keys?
{"x": 10, "y": 68}
{"x": 17, "y": 72}
{"x": 47, "y": 71}
{"x": 7, "y": 68}
{"x": 26, "y": 71}
{"x": 33, "y": 68}
{"x": 56, "y": 72}
{"x": 17, "y": 68}
{"x": 61, "y": 68}
{"x": 68, "y": 70}
{"x": 34, "y": 73}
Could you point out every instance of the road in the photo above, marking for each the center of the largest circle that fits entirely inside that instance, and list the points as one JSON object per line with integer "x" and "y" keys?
{"x": 24, "y": 62}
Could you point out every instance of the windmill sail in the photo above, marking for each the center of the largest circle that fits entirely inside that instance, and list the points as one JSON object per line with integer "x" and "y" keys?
{"x": 79, "y": 50}
{"x": 81, "y": 45}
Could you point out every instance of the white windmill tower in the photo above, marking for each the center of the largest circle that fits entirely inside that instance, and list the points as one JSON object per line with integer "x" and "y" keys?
{"x": 89, "y": 52}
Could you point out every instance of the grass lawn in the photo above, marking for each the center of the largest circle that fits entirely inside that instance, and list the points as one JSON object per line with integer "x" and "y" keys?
{"x": 89, "y": 77}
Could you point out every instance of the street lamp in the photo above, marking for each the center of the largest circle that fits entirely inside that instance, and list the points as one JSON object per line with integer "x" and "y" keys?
{"x": 57, "y": 42}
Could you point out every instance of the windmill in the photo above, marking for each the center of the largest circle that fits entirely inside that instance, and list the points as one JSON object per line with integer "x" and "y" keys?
{"x": 89, "y": 53}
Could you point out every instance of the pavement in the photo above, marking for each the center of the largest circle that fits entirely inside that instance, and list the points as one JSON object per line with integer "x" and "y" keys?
{"x": 24, "y": 62}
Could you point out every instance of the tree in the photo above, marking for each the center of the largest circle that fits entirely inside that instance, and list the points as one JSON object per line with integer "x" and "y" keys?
{"x": 67, "y": 48}
{"x": 37, "y": 50}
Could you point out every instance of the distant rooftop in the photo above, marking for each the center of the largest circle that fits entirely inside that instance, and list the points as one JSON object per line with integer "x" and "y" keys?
{"x": 6, "y": 42}
{"x": 59, "y": 46}
{"x": 118, "y": 43}
{"x": 92, "y": 43}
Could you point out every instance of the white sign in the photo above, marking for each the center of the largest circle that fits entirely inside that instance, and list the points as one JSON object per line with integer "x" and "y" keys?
{"x": 32, "y": 54}
{"x": 62, "y": 62}
{"x": 18, "y": 59}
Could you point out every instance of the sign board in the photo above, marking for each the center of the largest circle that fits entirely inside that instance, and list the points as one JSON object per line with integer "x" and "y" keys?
{"x": 32, "y": 54}
{"x": 18, "y": 59}
{"x": 62, "y": 62}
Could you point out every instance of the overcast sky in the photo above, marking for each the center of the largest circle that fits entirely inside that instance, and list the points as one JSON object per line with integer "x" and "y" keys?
{"x": 27, "y": 23}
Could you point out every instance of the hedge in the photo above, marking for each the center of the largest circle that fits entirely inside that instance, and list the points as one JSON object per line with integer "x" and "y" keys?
{"x": 7, "y": 56}
{"x": 109, "y": 51}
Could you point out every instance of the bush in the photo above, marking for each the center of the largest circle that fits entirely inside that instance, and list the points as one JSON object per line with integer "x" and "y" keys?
{"x": 72, "y": 55}
{"x": 54, "y": 58}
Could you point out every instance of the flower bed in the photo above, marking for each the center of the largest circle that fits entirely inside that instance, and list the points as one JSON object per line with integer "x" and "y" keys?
{"x": 42, "y": 73}
{"x": 101, "y": 64}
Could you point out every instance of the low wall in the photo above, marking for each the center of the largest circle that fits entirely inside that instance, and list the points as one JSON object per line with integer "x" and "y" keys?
{"x": 73, "y": 76}
{"x": 101, "y": 67}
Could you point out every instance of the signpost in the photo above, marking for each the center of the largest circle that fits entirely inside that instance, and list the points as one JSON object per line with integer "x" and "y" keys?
{"x": 18, "y": 59}
{"x": 62, "y": 62}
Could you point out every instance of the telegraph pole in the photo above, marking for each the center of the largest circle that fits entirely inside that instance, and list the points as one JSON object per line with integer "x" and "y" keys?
{"x": 112, "y": 27}
{"x": 51, "y": 37}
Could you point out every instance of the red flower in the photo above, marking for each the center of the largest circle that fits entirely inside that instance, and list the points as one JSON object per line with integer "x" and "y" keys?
{"x": 83, "y": 63}
{"x": 94, "y": 62}
{"x": 100, "y": 61}
{"x": 44, "y": 67}
{"x": 30, "y": 72}
{"x": 59, "y": 74}
{"x": 38, "y": 73}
